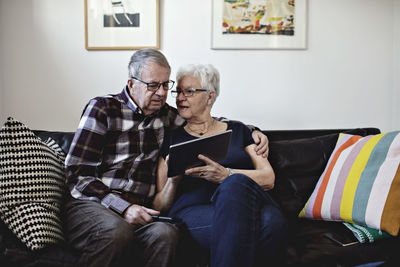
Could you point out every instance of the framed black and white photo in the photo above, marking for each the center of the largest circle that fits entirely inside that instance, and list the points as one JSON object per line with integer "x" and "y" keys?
{"x": 259, "y": 24}
{"x": 121, "y": 24}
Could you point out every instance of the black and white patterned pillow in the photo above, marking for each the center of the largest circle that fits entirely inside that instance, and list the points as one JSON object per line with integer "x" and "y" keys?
{"x": 32, "y": 186}
{"x": 50, "y": 142}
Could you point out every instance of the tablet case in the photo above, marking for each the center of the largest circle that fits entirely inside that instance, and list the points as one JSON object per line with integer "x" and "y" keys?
{"x": 183, "y": 156}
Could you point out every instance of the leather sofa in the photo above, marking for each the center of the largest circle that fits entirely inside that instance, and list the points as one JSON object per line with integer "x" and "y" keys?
{"x": 298, "y": 158}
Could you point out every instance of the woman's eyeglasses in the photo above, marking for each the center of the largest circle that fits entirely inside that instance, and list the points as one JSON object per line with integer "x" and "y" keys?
{"x": 187, "y": 92}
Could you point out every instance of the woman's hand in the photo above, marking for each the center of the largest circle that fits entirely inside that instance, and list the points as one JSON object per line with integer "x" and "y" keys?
{"x": 212, "y": 171}
{"x": 261, "y": 141}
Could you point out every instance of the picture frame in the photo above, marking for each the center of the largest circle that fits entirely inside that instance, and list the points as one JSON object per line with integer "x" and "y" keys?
{"x": 259, "y": 24}
{"x": 121, "y": 24}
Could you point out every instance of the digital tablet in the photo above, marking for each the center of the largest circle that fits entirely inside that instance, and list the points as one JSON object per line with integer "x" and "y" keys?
{"x": 183, "y": 156}
{"x": 342, "y": 240}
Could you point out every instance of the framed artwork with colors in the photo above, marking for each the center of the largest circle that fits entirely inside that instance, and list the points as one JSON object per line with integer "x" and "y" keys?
{"x": 259, "y": 24}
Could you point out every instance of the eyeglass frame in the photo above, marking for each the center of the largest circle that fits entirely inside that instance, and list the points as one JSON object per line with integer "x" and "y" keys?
{"x": 154, "y": 83}
{"x": 192, "y": 91}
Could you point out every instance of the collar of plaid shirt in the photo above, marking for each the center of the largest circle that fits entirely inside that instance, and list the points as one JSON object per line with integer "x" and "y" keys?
{"x": 128, "y": 100}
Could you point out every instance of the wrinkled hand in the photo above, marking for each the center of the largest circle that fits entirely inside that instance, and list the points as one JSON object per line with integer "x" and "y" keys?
{"x": 138, "y": 215}
{"x": 212, "y": 171}
{"x": 261, "y": 141}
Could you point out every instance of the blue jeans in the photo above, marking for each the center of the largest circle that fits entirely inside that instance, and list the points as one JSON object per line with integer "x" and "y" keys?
{"x": 242, "y": 226}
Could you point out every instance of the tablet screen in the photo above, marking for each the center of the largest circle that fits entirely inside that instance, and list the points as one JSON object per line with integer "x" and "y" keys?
{"x": 183, "y": 156}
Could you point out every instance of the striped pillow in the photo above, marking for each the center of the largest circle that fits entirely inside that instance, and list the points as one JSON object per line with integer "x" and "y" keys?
{"x": 360, "y": 184}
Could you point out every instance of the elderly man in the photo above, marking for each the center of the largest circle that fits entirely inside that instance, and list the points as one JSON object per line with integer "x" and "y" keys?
{"x": 111, "y": 170}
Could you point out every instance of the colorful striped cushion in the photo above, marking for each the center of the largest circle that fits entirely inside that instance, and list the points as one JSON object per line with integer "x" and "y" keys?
{"x": 360, "y": 184}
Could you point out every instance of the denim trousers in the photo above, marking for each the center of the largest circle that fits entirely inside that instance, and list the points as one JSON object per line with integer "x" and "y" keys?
{"x": 104, "y": 238}
{"x": 242, "y": 226}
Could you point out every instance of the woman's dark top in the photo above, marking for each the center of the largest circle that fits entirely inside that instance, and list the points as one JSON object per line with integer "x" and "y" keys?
{"x": 195, "y": 191}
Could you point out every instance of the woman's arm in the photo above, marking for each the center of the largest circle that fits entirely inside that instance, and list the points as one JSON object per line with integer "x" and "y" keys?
{"x": 166, "y": 188}
{"x": 260, "y": 139}
{"x": 262, "y": 174}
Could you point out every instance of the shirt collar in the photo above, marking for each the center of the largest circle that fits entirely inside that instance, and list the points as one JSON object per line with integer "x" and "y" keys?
{"x": 131, "y": 104}
{"x": 128, "y": 100}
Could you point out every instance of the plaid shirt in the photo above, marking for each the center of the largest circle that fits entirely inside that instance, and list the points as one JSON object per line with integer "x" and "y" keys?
{"x": 115, "y": 150}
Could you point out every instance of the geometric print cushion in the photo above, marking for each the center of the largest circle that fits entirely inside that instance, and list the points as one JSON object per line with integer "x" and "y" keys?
{"x": 50, "y": 142}
{"x": 360, "y": 184}
{"x": 32, "y": 186}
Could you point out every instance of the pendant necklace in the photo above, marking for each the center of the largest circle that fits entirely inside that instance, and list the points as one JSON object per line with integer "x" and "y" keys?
{"x": 202, "y": 132}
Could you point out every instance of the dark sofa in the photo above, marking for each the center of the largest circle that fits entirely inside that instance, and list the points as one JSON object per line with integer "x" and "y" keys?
{"x": 298, "y": 158}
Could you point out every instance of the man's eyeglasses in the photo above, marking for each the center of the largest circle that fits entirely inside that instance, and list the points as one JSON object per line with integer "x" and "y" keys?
{"x": 187, "y": 92}
{"x": 153, "y": 86}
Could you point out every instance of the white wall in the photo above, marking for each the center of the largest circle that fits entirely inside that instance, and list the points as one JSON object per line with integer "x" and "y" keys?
{"x": 345, "y": 78}
{"x": 2, "y": 111}
{"x": 396, "y": 66}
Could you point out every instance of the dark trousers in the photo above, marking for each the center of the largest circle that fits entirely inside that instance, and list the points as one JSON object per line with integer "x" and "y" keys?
{"x": 106, "y": 239}
{"x": 241, "y": 227}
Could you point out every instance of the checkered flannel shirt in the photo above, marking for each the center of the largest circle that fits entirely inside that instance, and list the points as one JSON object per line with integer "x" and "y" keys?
{"x": 115, "y": 150}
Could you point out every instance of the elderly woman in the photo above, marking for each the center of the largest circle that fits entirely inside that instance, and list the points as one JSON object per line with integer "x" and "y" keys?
{"x": 224, "y": 206}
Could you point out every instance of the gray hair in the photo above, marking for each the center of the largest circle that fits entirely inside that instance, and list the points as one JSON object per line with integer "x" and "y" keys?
{"x": 208, "y": 76}
{"x": 141, "y": 57}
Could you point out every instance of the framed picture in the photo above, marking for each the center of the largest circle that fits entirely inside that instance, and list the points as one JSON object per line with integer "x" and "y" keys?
{"x": 259, "y": 24}
{"x": 121, "y": 24}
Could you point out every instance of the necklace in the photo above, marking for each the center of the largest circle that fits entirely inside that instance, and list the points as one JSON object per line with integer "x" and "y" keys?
{"x": 201, "y": 133}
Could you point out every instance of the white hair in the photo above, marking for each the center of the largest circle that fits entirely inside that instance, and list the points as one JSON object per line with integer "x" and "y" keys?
{"x": 208, "y": 76}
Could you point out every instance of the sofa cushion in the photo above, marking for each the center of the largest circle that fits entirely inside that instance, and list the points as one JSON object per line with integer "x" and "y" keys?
{"x": 360, "y": 184}
{"x": 298, "y": 164}
{"x": 32, "y": 186}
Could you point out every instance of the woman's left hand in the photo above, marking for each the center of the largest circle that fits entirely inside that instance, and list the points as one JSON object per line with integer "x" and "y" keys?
{"x": 212, "y": 171}
{"x": 261, "y": 141}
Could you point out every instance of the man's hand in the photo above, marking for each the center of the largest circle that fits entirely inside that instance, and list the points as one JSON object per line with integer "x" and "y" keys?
{"x": 261, "y": 141}
{"x": 138, "y": 215}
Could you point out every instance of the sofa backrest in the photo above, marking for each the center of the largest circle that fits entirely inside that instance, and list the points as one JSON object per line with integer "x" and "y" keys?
{"x": 298, "y": 158}
{"x": 64, "y": 139}
{"x": 276, "y": 135}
